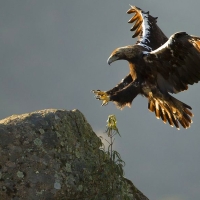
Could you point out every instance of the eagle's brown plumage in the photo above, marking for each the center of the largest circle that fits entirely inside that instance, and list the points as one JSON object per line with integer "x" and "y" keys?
{"x": 158, "y": 66}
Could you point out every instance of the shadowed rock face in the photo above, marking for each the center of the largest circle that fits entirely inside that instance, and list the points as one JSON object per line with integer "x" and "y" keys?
{"x": 54, "y": 154}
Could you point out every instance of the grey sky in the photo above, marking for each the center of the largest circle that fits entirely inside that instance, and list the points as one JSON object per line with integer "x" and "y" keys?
{"x": 52, "y": 53}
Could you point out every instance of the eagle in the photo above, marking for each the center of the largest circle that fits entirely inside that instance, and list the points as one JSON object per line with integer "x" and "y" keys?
{"x": 159, "y": 66}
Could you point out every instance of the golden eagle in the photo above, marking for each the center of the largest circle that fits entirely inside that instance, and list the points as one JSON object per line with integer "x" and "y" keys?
{"x": 158, "y": 66}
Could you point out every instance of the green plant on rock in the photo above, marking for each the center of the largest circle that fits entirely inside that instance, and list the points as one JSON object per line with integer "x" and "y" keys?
{"x": 118, "y": 186}
{"x": 104, "y": 178}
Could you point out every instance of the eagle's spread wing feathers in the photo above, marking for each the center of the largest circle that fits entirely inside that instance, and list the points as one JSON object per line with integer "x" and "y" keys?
{"x": 177, "y": 62}
{"x": 145, "y": 27}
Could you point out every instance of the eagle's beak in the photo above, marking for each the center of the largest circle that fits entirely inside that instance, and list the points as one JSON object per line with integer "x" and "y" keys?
{"x": 112, "y": 58}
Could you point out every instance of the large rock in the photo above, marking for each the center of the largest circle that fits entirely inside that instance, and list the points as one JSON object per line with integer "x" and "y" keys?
{"x": 54, "y": 154}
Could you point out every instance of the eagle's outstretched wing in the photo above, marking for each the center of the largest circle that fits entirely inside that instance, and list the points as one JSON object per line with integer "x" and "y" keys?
{"x": 177, "y": 62}
{"x": 145, "y": 27}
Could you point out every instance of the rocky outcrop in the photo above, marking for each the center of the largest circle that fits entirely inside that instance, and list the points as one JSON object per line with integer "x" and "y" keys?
{"x": 54, "y": 154}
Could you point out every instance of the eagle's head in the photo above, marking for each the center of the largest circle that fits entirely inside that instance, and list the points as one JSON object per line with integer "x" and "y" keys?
{"x": 122, "y": 53}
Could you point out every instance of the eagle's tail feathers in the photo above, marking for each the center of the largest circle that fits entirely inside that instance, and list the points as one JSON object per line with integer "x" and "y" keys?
{"x": 171, "y": 110}
{"x": 157, "y": 110}
{"x": 163, "y": 115}
{"x": 189, "y": 113}
{"x": 151, "y": 106}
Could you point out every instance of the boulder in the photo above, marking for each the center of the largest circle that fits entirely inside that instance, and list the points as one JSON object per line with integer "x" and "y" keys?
{"x": 55, "y": 154}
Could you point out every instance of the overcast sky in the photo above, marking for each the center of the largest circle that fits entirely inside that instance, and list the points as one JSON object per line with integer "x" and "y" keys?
{"x": 52, "y": 53}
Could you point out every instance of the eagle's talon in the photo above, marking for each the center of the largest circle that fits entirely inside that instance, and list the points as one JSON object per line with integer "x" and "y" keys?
{"x": 100, "y": 95}
{"x": 104, "y": 103}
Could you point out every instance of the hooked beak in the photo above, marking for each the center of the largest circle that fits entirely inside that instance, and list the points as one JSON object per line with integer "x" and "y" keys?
{"x": 111, "y": 59}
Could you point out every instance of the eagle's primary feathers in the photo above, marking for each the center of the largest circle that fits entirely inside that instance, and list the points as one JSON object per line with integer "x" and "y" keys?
{"x": 158, "y": 66}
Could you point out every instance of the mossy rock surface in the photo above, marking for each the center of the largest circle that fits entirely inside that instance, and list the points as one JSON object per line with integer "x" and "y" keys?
{"x": 54, "y": 154}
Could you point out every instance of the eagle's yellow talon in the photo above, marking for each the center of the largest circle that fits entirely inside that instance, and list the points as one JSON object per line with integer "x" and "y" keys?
{"x": 100, "y": 95}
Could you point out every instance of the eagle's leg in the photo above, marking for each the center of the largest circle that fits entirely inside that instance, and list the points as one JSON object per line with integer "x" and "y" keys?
{"x": 125, "y": 96}
{"x": 121, "y": 97}
{"x": 105, "y": 95}
{"x": 124, "y": 82}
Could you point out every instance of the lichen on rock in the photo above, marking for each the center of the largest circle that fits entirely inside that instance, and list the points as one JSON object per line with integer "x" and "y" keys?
{"x": 54, "y": 154}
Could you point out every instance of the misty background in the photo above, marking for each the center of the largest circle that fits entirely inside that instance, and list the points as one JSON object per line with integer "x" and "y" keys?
{"x": 53, "y": 53}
